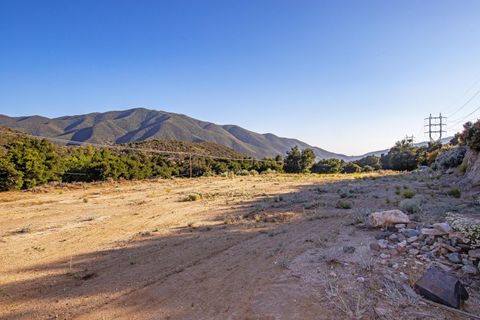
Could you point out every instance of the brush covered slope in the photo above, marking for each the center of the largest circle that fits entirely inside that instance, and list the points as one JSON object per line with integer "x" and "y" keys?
{"x": 139, "y": 124}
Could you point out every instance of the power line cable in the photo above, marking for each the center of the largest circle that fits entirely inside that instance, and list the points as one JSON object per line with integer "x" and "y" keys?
{"x": 468, "y": 115}
{"x": 463, "y": 95}
{"x": 466, "y": 103}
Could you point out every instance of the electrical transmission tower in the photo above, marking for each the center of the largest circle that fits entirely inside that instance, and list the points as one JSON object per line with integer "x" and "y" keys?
{"x": 410, "y": 139}
{"x": 436, "y": 126}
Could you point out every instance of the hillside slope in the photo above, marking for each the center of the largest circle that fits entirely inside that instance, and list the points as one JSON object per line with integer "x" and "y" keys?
{"x": 139, "y": 124}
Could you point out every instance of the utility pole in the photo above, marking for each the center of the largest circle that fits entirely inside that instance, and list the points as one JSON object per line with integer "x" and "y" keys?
{"x": 436, "y": 126}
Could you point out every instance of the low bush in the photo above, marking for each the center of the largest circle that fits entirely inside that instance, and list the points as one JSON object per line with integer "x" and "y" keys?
{"x": 408, "y": 194}
{"x": 341, "y": 204}
{"x": 454, "y": 192}
{"x": 409, "y": 206}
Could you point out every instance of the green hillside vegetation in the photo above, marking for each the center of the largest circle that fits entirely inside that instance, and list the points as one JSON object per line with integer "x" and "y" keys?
{"x": 139, "y": 124}
{"x": 26, "y": 162}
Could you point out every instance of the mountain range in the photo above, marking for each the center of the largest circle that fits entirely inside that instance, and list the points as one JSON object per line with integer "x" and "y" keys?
{"x": 139, "y": 124}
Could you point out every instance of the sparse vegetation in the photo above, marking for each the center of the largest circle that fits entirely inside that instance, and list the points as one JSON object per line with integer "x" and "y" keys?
{"x": 408, "y": 194}
{"x": 454, "y": 192}
{"x": 342, "y": 204}
{"x": 410, "y": 206}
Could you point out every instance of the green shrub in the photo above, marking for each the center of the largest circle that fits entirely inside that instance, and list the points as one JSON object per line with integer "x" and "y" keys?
{"x": 351, "y": 167}
{"x": 341, "y": 204}
{"x": 10, "y": 178}
{"x": 408, "y": 194}
{"x": 409, "y": 206}
{"x": 454, "y": 192}
{"x": 328, "y": 166}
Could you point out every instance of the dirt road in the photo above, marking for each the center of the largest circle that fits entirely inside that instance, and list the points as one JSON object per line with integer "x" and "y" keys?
{"x": 264, "y": 247}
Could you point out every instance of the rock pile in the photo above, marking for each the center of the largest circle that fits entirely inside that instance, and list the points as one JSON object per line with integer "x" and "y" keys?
{"x": 437, "y": 242}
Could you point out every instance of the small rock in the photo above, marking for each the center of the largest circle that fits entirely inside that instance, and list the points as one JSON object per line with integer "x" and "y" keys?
{"x": 413, "y": 252}
{"x": 470, "y": 269}
{"x": 442, "y": 227}
{"x": 384, "y": 256}
{"x": 424, "y": 248}
{"x": 449, "y": 247}
{"x": 383, "y": 244}
{"x": 443, "y": 251}
{"x": 454, "y": 257}
{"x": 411, "y": 233}
{"x": 361, "y": 279}
{"x": 431, "y": 232}
{"x": 474, "y": 253}
{"x": 412, "y": 239}
{"x": 395, "y": 266}
{"x": 393, "y": 237}
{"x": 400, "y": 226}
{"x": 402, "y": 244}
{"x": 348, "y": 249}
{"x": 383, "y": 235}
{"x": 375, "y": 246}
{"x": 441, "y": 287}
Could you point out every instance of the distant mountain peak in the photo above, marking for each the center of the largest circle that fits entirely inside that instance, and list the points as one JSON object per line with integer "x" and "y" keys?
{"x": 142, "y": 124}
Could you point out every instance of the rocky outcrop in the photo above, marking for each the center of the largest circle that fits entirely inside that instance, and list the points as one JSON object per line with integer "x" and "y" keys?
{"x": 471, "y": 162}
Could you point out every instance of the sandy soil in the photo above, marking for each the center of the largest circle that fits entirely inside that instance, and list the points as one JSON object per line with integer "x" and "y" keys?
{"x": 265, "y": 247}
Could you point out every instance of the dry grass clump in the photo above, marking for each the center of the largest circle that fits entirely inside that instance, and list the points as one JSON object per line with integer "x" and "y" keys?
{"x": 192, "y": 196}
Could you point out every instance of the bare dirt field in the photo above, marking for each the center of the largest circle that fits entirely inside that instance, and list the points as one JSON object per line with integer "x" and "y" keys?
{"x": 262, "y": 247}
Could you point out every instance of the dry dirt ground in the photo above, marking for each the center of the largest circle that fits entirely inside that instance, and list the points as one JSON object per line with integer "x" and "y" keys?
{"x": 263, "y": 247}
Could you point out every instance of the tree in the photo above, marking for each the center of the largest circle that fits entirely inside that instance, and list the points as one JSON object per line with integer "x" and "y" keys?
{"x": 471, "y": 135}
{"x": 10, "y": 178}
{"x": 299, "y": 161}
{"x": 308, "y": 159}
{"x": 328, "y": 166}
{"x": 351, "y": 167}
{"x": 293, "y": 161}
{"x": 37, "y": 160}
{"x": 371, "y": 161}
{"x": 402, "y": 156}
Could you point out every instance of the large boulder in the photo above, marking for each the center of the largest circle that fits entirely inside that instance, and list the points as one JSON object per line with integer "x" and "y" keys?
{"x": 387, "y": 218}
{"x": 441, "y": 287}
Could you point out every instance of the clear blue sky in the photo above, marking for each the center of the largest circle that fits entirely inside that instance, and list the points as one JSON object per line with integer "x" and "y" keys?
{"x": 348, "y": 76}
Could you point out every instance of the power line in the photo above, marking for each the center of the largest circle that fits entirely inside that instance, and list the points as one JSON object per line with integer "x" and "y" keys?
{"x": 464, "y": 94}
{"x": 468, "y": 115}
{"x": 466, "y": 103}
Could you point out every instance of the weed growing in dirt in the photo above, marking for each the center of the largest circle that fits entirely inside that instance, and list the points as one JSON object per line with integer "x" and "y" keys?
{"x": 454, "y": 192}
{"x": 193, "y": 196}
{"x": 408, "y": 194}
{"x": 409, "y": 206}
{"x": 342, "y": 204}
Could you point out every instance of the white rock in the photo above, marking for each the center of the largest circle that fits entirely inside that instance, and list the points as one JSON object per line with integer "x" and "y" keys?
{"x": 442, "y": 227}
{"x": 387, "y": 218}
